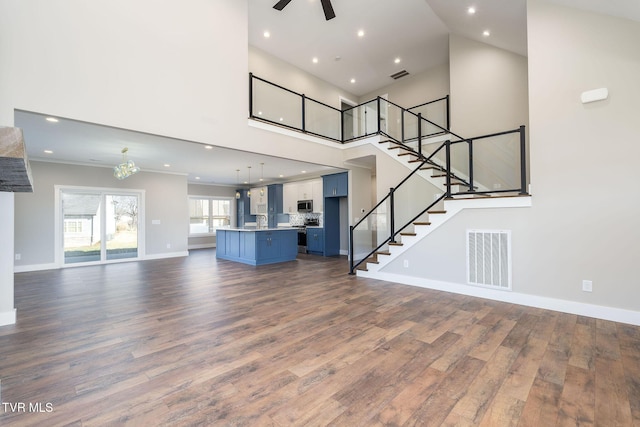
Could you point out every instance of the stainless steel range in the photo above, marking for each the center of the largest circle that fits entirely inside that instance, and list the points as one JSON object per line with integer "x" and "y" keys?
{"x": 302, "y": 233}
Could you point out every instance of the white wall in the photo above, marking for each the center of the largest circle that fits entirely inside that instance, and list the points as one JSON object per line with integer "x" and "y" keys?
{"x": 270, "y": 68}
{"x": 152, "y": 66}
{"x": 415, "y": 89}
{"x": 488, "y": 88}
{"x": 165, "y": 197}
{"x": 583, "y": 222}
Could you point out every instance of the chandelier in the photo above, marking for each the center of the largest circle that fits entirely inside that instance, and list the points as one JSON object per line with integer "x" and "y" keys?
{"x": 126, "y": 168}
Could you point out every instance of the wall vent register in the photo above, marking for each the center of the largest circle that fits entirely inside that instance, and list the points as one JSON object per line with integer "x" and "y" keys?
{"x": 489, "y": 258}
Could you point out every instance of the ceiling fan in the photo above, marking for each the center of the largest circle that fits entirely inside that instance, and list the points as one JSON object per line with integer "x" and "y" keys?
{"x": 326, "y": 6}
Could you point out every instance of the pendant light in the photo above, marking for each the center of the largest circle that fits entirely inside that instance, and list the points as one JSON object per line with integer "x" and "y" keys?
{"x": 249, "y": 192}
{"x": 237, "y": 183}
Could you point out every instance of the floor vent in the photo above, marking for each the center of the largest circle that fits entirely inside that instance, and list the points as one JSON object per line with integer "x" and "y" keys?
{"x": 399, "y": 74}
{"x": 489, "y": 258}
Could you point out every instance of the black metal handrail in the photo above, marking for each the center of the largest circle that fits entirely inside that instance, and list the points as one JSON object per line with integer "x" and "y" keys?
{"x": 342, "y": 139}
{"x": 389, "y": 195}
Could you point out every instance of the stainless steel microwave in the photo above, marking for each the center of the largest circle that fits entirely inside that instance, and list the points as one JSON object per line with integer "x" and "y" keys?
{"x": 305, "y": 206}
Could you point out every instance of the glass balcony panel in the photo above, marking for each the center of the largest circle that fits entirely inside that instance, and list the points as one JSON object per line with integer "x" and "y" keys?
{"x": 322, "y": 120}
{"x": 276, "y": 105}
{"x": 434, "y": 112}
{"x": 496, "y": 162}
{"x": 371, "y": 233}
{"x": 361, "y": 120}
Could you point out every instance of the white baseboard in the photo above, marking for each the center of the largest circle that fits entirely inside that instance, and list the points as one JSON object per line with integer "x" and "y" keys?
{"x": 54, "y": 266}
{"x": 202, "y": 246}
{"x": 167, "y": 255}
{"x": 8, "y": 317}
{"x": 35, "y": 267}
{"x": 590, "y": 310}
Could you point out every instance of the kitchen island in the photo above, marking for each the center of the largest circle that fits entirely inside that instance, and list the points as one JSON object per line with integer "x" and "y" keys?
{"x": 257, "y": 246}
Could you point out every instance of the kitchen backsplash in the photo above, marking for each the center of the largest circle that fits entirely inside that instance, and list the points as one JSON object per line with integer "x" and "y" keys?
{"x": 298, "y": 219}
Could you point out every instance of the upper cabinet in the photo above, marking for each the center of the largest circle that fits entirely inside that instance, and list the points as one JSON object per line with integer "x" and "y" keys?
{"x": 259, "y": 200}
{"x": 336, "y": 185}
{"x": 302, "y": 190}
{"x": 290, "y": 197}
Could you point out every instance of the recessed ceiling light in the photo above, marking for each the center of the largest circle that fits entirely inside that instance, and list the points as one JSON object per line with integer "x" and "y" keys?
{"x": 304, "y": 171}
{"x": 360, "y": 33}
{"x": 208, "y": 147}
{"x": 397, "y": 60}
{"x": 486, "y": 33}
{"x": 52, "y": 119}
{"x": 167, "y": 165}
{"x": 353, "y": 80}
{"x": 197, "y": 177}
{"x": 281, "y": 176}
{"x": 259, "y": 113}
{"x": 471, "y": 10}
{"x": 281, "y": 118}
{"x": 48, "y": 151}
{"x": 266, "y": 34}
{"x": 315, "y": 60}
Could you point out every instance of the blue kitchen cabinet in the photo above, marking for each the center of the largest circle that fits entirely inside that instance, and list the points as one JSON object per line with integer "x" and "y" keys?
{"x": 256, "y": 246}
{"x": 335, "y": 190}
{"x": 315, "y": 240}
{"x": 243, "y": 205}
{"x": 335, "y": 185}
{"x": 274, "y": 204}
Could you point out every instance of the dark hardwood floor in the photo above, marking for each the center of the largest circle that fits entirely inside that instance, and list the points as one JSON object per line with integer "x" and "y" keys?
{"x": 196, "y": 341}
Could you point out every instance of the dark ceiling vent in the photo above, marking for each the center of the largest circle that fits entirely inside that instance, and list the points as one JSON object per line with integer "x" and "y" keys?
{"x": 399, "y": 74}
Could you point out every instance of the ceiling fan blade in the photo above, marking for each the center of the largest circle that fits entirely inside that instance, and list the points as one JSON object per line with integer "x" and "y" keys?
{"x": 281, "y": 4}
{"x": 328, "y": 9}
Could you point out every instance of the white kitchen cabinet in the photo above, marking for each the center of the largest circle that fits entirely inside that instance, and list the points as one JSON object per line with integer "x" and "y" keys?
{"x": 259, "y": 199}
{"x": 302, "y": 190}
{"x": 305, "y": 190}
{"x": 290, "y": 198}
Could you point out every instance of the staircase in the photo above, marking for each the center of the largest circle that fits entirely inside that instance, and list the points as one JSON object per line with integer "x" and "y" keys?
{"x": 433, "y": 220}
{"x": 459, "y": 191}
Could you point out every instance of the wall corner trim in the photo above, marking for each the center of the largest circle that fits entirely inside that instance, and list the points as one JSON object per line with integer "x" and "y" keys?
{"x": 8, "y": 317}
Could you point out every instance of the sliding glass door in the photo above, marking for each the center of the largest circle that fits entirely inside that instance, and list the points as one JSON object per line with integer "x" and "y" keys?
{"x": 98, "y": 225}
{"x": 121, "y": 226}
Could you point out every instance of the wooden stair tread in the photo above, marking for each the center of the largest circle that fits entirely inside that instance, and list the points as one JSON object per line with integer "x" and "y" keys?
{"x": 383, "y": 253}
{"x": 395, "y": 244}
{"x": 408, "y": 153}
{"x": 408, "y": 234}
{"x": 421, "y": 223}
{"x": 436, "y": 212}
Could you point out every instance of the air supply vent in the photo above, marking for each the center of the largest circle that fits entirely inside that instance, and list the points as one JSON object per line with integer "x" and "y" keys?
{"x": 399, "y": 74}
{"x": 489, "y": 258}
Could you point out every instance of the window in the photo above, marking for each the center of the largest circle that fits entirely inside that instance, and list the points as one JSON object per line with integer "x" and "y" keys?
{"x": 71, "y": 226}
{"x": 206, "y": 214}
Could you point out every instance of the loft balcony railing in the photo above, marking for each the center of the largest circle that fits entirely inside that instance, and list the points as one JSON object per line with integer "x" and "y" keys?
{"x": 280, "y": 106}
